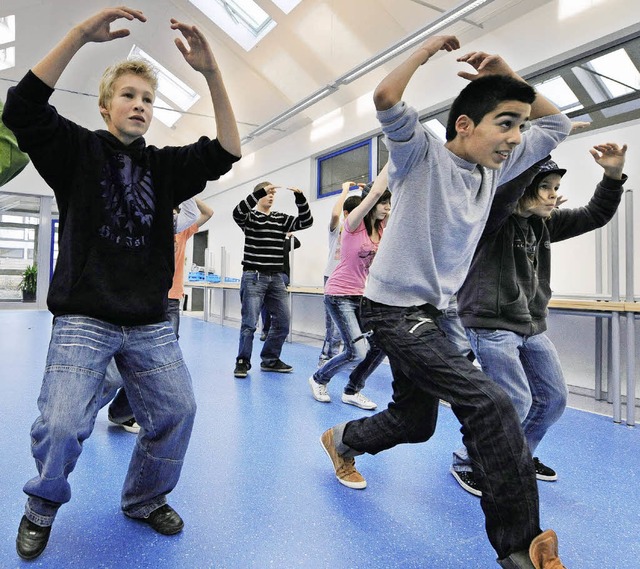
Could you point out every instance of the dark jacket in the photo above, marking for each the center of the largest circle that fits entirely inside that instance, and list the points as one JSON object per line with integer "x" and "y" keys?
{"x": 508, "y": 285}
{"x": 116, "y": 251}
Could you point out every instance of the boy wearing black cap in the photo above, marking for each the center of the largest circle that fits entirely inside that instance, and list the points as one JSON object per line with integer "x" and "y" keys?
{"x": 503, "y": 301}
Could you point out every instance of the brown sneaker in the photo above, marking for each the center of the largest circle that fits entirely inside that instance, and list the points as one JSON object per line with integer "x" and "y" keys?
{"x": 345, "y": 467}
{"x": 543, "y": 551}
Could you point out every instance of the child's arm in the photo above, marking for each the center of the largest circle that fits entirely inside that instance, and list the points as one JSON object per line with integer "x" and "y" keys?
{"x": 391, "y": 88}
{"x": 198, "y": 55}
{"x": 354, "y": 219}
{"x": 304, "y": 220}
{"x": 487, "y": 64}
{"x": 337, "y": 207}
{"x": 206, "y": 212}
{"x": 95, "y": 29}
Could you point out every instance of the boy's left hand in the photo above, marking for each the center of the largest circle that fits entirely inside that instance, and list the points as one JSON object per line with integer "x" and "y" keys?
{"x": 198, "y": 53}
{"x": 611, "y": 157}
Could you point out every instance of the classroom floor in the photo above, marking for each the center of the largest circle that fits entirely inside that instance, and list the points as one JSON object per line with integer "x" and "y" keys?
{"x": 257, "y": 490}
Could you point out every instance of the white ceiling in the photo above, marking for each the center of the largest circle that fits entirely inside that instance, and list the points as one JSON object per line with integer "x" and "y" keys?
{"x": 316, "y": 43}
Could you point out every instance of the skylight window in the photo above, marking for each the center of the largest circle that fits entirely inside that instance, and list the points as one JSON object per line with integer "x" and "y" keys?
{"x": 617, "y": 72}
{"x": 286, "y": 5}
{"x": 177, "y": 91}
{"x": 7, "y": 29}
{"x": 557, "y": 90}
{"x": 243, "y": 20}
{"x": 7, "y": 57}
{"x": 7, "y": 36}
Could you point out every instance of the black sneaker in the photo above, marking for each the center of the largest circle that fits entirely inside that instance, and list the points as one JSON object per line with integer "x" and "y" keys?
{"x": 242, "y": 368}
{"x": 278, "y": 366}
{"x": 543, "y": 472}
{"x": 130, "y": 425}
{"x": 467, "y": 480}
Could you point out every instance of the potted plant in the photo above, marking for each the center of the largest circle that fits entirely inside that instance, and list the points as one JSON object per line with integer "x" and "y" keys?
{"x": 29, "y": 283}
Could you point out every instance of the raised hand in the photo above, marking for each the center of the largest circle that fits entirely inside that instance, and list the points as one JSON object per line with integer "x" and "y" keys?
{"x": 484, "y": 64}
{"x": 97, "y": 28}
{"x": 434, "y": 44}
{"x": 611, "y": 157}
{"x": 197, "y": 52}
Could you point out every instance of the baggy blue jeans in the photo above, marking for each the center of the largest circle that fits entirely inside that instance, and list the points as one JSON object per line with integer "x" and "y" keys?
{"x": 345, "y": 311}
{"x": 159, "y": 388}
{"x": 258, "y": 288}
{"x": 427, "y": 367}
{"x": 119, "y": 409}
{"x": 529, "y": 371}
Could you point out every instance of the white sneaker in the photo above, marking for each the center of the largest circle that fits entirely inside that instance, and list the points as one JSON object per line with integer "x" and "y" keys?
{"x": 319, "y": 391}
{"x": 359, "y": 400}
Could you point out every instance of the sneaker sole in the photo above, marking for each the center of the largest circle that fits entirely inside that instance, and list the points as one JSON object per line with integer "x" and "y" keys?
{"x": 464, "y": 485}
{"x": 366, "y": 408}
{"x": 276, "y": 370}
{"x": 134, "y": 430}
{"x": 546, "y": 478}
{"x": 354, "y": 485}
{"x": 313, "y": 393}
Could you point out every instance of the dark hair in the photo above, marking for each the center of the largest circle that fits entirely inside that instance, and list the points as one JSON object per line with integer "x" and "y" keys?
{"x": 483, "y": 95}
{"x": 368, "y": 219}
{"x": 351, "y": 203}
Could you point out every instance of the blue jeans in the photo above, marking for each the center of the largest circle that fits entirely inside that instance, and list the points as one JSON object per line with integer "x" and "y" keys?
{"x": 332, "y": 338}
{"x": 256, "y": 289}
{"x": 427, "y": 367}
{"x": 160, "y": 392}
{"x": 119, "y": 410}
{"x": 529, "y": 371}
{"x": 345, "y": 312}
{"x": 264, "y": 313}
{"x": 452, "y": 327}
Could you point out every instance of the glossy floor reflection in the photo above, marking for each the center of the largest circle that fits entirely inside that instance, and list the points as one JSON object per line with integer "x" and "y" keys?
{"x": 257, "y": 491}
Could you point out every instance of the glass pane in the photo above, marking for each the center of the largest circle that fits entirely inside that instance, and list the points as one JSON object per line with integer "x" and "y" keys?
{"x": 557, "y": 91}
{"x": 349, "y": 164}
{"x": 19, "y": 218}
{"x": 618, "y": 73}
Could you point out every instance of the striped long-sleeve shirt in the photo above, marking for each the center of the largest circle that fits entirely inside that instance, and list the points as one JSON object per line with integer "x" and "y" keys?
{"x": 264, "y": 234}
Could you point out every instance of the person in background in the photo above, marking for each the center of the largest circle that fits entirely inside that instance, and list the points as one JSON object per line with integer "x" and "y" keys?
{"x": 108, "y": 294}
{"x": 291, "y": 242}
{"x": 362, "y": 233}
{"x": 262, "y": 265}
{"x": 442, "y": 196}
{"x": 344, "y": 205}
{"x": 503, "y": 301}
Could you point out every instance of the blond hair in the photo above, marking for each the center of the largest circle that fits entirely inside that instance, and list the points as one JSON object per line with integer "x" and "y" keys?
{"x": 139, "y": 67}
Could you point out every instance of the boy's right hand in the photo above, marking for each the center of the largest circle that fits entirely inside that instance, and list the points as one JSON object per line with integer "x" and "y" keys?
{"x": 98, "y": 27}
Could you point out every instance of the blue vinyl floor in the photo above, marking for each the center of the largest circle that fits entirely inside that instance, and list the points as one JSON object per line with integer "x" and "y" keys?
{"x": 257, "y": 490}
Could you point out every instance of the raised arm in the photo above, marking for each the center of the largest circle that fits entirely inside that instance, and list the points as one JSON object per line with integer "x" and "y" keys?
{"x": 611, "y": 158}
{"x": 198, "y": 55}
{"x": 337, "y": 207}
{"x": 95, "y": 29}
{"x": 304, "y": 219}
{"x": 391, "y": 88}
{"x": 487, "y": 64}
{"x": 206, "y": 212}
{"x": 364, "y": 207}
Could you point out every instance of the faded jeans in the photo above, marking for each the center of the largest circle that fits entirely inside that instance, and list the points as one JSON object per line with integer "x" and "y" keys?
{"x": 119, "y": 409}
{"x": 345, "y": 312}
{"x": 427, "y": 367}
{"x": 529, "y": 371}
{"x": 160, "y": 392}
{"x": 258, "y": 288}
{"x": 332, "y": 344}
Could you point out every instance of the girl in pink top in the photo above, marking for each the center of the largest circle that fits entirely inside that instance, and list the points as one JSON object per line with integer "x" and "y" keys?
{"x": 361, "y": 235}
